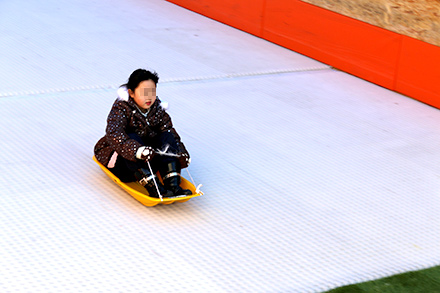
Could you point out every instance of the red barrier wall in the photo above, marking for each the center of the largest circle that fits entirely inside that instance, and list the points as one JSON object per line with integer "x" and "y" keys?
{"x": 418, "y": 72}
{"x": 333, "y": 39}
{"x": 383, "y": 57}
{"x": 245, "y": 15}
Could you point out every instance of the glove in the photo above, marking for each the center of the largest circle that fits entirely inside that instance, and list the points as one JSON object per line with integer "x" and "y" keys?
{"x": 145, "y": 153}
{"x": 184, "y": 160}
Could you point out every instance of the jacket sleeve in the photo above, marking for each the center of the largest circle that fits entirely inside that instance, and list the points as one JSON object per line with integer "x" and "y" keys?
{"x": 116, "y": 134}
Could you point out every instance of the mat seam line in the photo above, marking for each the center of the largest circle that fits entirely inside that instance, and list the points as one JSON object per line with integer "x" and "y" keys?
{"x": 164, "y": 81}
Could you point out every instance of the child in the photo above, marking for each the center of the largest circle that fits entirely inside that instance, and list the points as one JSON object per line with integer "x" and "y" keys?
{"x": 138, "y": 131}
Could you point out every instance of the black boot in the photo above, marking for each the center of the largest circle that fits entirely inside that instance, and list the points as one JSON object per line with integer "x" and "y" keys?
{"x": 145, "y": 178}
{"x": 171, "y": 179}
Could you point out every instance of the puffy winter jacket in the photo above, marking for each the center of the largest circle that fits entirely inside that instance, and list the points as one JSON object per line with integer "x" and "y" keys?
{"x": 125, "y": 118}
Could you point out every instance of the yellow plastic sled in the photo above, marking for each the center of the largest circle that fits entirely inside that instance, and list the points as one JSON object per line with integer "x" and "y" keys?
{"x": 141, "y": 194}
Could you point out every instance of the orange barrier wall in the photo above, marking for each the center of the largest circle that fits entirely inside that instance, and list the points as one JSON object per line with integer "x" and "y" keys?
{"x": 418, "y": 73}
{"x": 394, "y": 61}
{"x": 245, "y": 15}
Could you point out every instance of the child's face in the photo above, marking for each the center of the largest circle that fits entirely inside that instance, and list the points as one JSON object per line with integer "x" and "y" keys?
{"x": 144, "y": 95}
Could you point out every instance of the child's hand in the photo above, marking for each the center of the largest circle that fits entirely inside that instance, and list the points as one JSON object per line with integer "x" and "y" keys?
{"x": 184, "y": 159}
{"x": 145, "y": 153}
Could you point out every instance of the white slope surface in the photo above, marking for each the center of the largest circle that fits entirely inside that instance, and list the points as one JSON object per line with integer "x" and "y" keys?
{"x": 313, "y": 178}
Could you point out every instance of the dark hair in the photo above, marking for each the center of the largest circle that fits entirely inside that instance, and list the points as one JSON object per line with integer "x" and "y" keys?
{"x": 138, "y": 76}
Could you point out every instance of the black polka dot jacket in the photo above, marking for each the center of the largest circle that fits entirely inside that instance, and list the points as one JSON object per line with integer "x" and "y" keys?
{"x": 125, "y": 118}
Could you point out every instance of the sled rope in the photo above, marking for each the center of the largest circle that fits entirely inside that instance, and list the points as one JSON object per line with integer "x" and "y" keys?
{"x": 164, "y": 152}
{"x": 192, "y": 180}
{"x": 198, "y": 191}
{"x": 154, "y": 180}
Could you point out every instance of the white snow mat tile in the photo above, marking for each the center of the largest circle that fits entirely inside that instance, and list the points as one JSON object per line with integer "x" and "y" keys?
{"x": 313, "y": 178}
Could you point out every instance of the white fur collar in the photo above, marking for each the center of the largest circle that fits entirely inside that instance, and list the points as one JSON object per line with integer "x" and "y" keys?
{"x": 123, "y": 94}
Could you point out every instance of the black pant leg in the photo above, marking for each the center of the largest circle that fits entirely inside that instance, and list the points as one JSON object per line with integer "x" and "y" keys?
{"x": 167, "y": 138}
{"x": 124, "y": 169}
